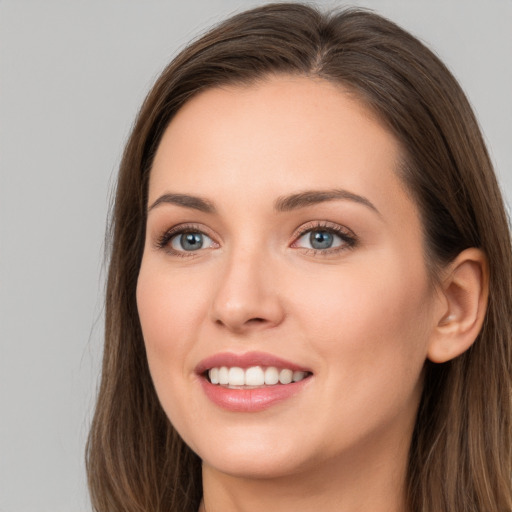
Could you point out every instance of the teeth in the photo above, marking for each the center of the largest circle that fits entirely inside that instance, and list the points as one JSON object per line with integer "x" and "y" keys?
{"x": 236, "y": 377}
{"x": 285, "y": 376}
{"x": 271, "y": 376}
{"x": 298, "y": 376}
{"x": 254, "y": 376}
{"x": 214, "y": 375}
{"x": 223, "y": 375}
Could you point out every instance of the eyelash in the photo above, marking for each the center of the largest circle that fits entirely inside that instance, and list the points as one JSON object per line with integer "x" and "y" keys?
{"x": 164, "y": 240}
{"x": 347, "y": 236}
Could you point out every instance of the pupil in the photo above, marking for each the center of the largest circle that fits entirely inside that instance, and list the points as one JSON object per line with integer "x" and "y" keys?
{"x": 320, "y": 239}
{"x": 191, "y": 241}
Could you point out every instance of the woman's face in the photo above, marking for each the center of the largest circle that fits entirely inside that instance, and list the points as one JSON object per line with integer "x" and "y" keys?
{"x": 282, "y": 245}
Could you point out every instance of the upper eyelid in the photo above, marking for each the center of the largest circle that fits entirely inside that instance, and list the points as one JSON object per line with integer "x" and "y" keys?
{"x": 325, "y": 225}
{"x": 192, "y": 227}
{"x": 164, "y": 237}
{"x": 303, "y": 228}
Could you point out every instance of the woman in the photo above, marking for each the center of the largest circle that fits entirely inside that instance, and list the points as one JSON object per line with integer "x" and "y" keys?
{"x": 309, "y": 295}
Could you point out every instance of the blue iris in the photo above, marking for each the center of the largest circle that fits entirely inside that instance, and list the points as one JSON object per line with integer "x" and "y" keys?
{"x": 321, "y": 239}
{"x": 191, "y": 241}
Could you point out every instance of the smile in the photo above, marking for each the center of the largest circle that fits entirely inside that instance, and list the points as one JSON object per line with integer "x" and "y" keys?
{"x": 250, "y": 382}
{"x": 254, "y": 376}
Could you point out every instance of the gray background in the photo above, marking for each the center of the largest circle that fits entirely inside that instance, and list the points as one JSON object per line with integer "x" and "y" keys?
{"x": 72, "y": 75}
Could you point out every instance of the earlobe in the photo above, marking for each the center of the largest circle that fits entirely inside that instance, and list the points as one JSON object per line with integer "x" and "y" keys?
{"x": 465, "y": 290}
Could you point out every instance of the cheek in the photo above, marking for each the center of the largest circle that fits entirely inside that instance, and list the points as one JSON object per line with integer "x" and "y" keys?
{"x": 369, "y": 333}
{"x": 167, "y": 302}
{"x": 373, "y": 319}
{"x": 168, "y": 305}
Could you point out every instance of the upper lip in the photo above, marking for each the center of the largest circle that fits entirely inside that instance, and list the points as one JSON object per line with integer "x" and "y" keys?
{"x": 246, "y": 360}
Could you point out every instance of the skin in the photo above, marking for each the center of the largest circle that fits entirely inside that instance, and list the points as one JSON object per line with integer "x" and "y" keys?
{"x": 362, "y": 317}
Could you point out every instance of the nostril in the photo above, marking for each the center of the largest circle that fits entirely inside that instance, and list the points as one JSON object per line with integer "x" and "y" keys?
{"x": 256, "y": 320}
{"x": 251, "y": 321}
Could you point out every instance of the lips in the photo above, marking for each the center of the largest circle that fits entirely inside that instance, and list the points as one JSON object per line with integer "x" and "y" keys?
{"x": 250, "y": 382}
{"x": 230, "y": 359}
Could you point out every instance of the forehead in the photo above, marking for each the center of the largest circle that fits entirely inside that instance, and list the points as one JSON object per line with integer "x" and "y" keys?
{"x": 277, "y": 136}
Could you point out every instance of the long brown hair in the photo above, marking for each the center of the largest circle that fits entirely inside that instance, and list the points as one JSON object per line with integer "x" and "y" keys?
{"x": 460, "y": 456}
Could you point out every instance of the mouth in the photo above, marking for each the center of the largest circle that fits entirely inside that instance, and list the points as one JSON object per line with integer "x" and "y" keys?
{"x": 235, "y": 377}
{"x": 250, "y": 382}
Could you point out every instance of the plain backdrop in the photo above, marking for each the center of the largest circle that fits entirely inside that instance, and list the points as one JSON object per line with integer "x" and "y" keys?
{"x": 72, "y": 76}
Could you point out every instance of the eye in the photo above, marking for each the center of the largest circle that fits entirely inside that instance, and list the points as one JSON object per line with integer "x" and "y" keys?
{"x": 326, "y": 238}
{"x": 319, "y": 240}
{"x": 190, "y": 241}
{"x": 185, "y": 240}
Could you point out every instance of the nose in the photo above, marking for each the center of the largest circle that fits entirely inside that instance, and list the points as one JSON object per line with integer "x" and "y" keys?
{"x": 247, "y": 296}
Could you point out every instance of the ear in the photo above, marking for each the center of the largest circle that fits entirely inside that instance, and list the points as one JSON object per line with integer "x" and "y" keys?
{"x": 464, "y": 292}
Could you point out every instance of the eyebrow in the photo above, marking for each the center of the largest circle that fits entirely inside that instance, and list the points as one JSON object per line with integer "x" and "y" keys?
{"x": 312, "y": 197}
{"x": 282, "y": 204}
{"x": 185, "y": 200}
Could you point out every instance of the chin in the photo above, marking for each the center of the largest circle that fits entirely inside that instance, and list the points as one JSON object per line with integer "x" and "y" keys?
{"x": 253, "y": 466}
{"x": 253, "y": 457}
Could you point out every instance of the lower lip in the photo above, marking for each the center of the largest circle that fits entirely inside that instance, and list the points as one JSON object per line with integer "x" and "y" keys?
{"x": 251, "y": 400}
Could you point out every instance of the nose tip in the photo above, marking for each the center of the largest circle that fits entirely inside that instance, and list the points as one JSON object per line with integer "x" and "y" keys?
{"x": 247, "y": 297}
{"x": 238, "y": 319}
{"x": 246, "y": 314}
